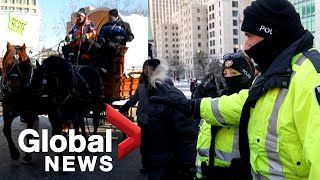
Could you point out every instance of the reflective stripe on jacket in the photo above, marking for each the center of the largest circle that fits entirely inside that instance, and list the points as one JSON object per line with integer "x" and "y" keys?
{"x": 226, "y": 146}
{"x": 284, "y": 125}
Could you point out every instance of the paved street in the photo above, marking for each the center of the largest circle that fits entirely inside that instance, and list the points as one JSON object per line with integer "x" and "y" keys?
{"x": 126, "y": 169}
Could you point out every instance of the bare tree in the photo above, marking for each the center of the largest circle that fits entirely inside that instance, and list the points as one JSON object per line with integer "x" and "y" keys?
{"x": 176, "y": 68}
{"x": 201, "y": 62}
{"x": 59, "y": 23}
{"x": 215, "y": 69}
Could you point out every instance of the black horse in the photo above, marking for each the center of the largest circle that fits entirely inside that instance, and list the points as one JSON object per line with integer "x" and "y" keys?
{"x": 18, "y": 96}
{"x": 73, "y": 90}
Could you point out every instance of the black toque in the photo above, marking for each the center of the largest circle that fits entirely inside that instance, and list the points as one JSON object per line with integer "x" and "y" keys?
{"x": 113, "y": 12}
{"x": 273, "y": 18}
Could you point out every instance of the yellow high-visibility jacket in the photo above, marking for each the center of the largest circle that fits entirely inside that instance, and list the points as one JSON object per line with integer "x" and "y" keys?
{"x": 226, "y": 146}
{"x": 284, "y": 125}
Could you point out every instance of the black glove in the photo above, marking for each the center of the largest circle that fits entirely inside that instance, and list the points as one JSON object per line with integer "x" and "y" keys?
{"x": 118, "y": 39}
{"x": 124, "y": 109}
{"x": 67, "y": 39}
{"x": 175, "y": 98}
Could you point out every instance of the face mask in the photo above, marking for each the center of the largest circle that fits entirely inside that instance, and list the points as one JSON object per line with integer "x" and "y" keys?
{"x": 236, "y": 83}
{"x": 265, "y": 52}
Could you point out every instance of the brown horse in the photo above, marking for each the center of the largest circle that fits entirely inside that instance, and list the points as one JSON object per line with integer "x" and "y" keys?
{"x": 18, "y": 100}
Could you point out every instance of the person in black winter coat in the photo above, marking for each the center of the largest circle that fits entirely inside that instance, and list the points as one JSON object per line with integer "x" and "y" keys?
{"x": 141, "y": 96}
{"x": 172, "y": 137}
{"x": 114, "y": 34}
{"x": 115, "y": 31}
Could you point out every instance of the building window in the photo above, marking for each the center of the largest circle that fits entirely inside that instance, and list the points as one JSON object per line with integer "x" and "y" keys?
{"x": 198, "y": 18}
{"x": 199, "y": 27}
{"x": 166, "y": 39}
{"x": 3, "y": 1}
{"x": 235, "y": 4}
{"x": 165, "y": 27}
{"x": 173, "y": 45}
{"x": 235, "y": 31}
{"x": 172, "y": 34}
{"x": 199, "y": 36}
{"x": 199, "y": 44}
{"x": 209, "y": 8}
{"x": 19, "y": 10}
{"x": 4, "y": 8}
{"x": 235, "y": 41}
{"x": 18, "y": 1}
{"x": 220, "y": 41}
{"x": 235, "y": 23}
{"x": 25, "y": 10}
{"x": 198, "y": 10}
{"x": 11, "y": 8}
{"x": 10, "y": 1}
{"x": 234, "y": 13}
{"x": 167, "y": 51}
{"x": 166, "y": 45}
{"x": 165, "y": 33}
{"x": 214, "y": 51}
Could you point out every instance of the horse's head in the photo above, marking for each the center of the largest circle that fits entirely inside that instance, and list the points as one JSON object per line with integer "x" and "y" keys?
{"x": 52, "y": 79}
{"x": 17, "y": 68}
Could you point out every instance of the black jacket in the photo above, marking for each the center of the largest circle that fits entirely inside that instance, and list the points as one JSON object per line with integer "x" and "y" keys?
{"x": 172, "y": 141}
{"x": 117, "y": 31}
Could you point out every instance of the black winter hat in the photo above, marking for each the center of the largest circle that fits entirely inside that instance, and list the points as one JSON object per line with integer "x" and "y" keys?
{"x": 152, "y": 62}
{"x": 240, "y": 62}
{"x": 82, "y": 12}
{"x": 272, "y": 18}
{"x": 113, "y": 12}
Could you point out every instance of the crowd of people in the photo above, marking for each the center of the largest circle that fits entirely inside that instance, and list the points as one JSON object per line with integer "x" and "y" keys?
{"x": 240, "y": 123}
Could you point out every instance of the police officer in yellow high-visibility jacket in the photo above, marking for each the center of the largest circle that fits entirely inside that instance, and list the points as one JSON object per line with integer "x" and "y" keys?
{"x": 279, "y": 117}
{"x": 216, "y": 146}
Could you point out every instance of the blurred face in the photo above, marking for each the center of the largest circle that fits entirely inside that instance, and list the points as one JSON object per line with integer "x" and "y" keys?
{"x": 252, "y": 40}
{"x": 111, "y": 18}
{"x": 80, "y": 18}
{"x": 230, "y": 72}
{"x": 146, "y": 70}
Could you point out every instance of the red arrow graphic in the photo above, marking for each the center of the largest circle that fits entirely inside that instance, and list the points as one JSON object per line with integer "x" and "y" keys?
{"x": 126, "y": 126}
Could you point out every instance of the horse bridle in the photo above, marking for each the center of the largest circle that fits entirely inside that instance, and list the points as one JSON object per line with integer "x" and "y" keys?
{"x": 16, "y": 64}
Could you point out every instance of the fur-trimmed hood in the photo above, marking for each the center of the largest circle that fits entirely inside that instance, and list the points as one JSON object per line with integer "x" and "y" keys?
{"x": 159, "y": 74}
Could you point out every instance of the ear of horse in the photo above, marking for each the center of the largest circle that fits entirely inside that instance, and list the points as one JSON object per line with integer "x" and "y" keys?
{"x": 37, "y": 64}
{"x": 23, "y": 48}
{"x": 8, "y": 45}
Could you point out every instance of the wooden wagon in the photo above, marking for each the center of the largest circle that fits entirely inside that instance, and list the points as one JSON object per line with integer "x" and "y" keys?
{"x": 117, "y": 84}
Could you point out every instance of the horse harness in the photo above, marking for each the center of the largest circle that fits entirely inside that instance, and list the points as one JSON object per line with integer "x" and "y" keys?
{"x": 16, "y": 61}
